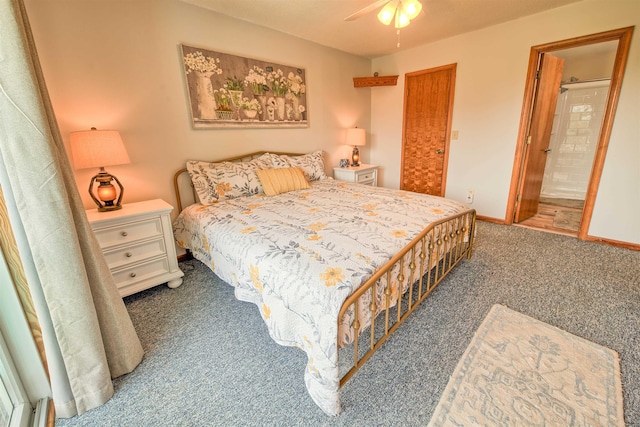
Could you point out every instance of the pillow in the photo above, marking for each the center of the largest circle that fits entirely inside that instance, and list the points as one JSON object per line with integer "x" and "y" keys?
{"x": 215, "y": 182}
{"x": 311, "y": 164}
{"x": 282, "y": 180}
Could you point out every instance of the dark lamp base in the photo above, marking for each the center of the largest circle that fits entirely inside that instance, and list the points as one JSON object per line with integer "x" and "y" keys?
{"x": 106, "y": 192}
{"x": 109, "y": 208}
{"x": 355, "y": 157}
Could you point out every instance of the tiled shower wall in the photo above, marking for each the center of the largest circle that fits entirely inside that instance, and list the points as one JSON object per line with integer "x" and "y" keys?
{"x": 574, "y": 139}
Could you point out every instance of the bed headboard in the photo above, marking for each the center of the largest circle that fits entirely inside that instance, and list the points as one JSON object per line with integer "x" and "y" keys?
{"x": 182, "y": 181}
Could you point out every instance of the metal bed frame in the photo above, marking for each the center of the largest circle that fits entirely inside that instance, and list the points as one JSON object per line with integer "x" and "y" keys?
{"x": 418, "y": 268}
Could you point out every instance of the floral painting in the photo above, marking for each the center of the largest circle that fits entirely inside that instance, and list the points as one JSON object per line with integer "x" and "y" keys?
{"x": 227, "y": 91}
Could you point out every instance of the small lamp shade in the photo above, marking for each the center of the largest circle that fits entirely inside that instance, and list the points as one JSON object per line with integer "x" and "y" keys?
{"x": 355, "y": 137}
{"x": 97, "y": 148}
{"x": 386, "y": 13}
{"x": 100, "y": 148}
{"x": 402, "y": 20}
{"x": 411, "y": 8}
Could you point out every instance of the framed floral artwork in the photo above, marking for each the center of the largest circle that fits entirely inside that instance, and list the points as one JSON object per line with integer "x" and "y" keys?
{"x": 230, "y": 91}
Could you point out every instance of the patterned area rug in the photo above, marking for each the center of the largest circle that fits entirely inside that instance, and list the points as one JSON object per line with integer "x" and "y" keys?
{"x": 518, "y": 371}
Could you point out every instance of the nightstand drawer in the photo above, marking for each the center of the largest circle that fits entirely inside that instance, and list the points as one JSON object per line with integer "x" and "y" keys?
{"x": 363, "y": 174}
{"x": 129, "y": 232}
{"x": 138, "y": 245}
{"x": 134, "y": 253}
{"x": 140, "y": 272}
{"x": 365, "y": 178}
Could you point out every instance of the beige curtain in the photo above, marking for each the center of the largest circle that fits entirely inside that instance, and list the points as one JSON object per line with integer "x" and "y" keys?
{"x": 88, "y": 335}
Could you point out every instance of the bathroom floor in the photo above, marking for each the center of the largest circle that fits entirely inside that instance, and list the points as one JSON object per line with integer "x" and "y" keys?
{"x": 557, "y": 215}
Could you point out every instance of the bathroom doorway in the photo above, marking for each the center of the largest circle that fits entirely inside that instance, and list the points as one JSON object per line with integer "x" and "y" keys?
{"x": 561, "y": 151}
{"x": 571, "y": 148}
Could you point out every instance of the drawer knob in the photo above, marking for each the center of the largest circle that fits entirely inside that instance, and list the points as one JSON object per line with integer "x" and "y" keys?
{"x": 128, "y": 254}
{"x": 133, "y": 275}
{"x": 124, "y": 233}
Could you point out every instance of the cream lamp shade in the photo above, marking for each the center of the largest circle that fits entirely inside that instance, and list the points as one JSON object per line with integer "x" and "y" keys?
{"x": 355, "y": 137}
{"x": 99, "y": 148}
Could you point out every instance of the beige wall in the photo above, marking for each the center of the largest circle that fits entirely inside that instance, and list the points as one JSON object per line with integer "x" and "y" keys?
{"x": 492, "y": 64}
{"x": 116, "y": 65}
{"x": 589, "y": 66}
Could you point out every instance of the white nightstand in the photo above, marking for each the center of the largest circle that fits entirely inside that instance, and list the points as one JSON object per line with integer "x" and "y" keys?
{"x": 137, "y": 242}
{"x": 363, "y": 174}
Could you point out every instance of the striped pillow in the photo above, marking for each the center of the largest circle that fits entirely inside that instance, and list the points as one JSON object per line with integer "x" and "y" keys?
{"x": 281, "y": 180}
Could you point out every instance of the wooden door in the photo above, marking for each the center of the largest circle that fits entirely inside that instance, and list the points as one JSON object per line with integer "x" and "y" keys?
{"x": 542, "y": 115}
{"x": 428, "y": 105}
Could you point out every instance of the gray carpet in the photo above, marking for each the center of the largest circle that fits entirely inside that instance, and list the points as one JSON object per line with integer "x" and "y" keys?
{"x": 209, "y": 360}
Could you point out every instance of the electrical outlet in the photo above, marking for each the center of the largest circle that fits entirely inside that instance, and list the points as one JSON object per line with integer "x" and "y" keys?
{"x": 454, "y": 134}
{"x": 469, "y": 196}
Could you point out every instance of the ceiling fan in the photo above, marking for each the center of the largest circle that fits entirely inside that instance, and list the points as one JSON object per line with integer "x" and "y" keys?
{"x": 404, "y": 11}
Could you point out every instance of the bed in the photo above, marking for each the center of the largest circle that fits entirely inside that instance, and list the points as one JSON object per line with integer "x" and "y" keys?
{"x": 333, "y": 267}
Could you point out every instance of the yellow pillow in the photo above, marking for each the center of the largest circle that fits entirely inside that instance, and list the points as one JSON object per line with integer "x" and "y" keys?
{"x": 281, "y": 180}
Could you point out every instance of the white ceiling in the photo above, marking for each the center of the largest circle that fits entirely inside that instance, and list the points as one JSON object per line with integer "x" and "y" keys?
{"x": 322, "y": 21}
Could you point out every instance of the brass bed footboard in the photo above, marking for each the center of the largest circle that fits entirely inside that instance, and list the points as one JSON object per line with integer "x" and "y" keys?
{"x": 384, "y": 301}
{"x": 417, "y": 269}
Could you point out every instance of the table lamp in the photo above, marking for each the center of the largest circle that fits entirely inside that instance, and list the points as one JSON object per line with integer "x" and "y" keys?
{"x": 355, "y": 137}
{"x": 100, "y": 148}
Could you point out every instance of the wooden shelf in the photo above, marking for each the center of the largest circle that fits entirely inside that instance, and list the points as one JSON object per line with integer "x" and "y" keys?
{"x": 375, "y": 81}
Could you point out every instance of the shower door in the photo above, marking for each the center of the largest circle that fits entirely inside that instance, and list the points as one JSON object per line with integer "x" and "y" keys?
{"x": 574, "y": 139}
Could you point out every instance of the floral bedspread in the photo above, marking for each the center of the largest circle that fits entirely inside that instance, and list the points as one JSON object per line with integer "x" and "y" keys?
{"x": 300, "y": 254}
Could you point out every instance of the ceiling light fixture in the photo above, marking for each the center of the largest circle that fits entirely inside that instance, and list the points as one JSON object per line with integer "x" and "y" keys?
{"x": 403, "y": 10}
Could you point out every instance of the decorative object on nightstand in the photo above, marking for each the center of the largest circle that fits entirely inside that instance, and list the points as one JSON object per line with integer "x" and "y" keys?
{"x": 363, "y": 174}
{"x": 138, "y": 245}
{"x": 99, "y": 148}
{"x": 355, "y": 137}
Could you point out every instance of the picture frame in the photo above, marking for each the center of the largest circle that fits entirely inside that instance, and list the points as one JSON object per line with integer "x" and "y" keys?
{"x": 231, "y": 91}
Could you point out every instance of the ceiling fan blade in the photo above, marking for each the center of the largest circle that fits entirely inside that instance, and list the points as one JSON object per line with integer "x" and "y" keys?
{"x": 365, "y": 10}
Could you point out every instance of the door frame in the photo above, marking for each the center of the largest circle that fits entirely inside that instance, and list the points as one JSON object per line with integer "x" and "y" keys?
{"x": 447, "y": 138}
{"x": 623, "y": 36}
